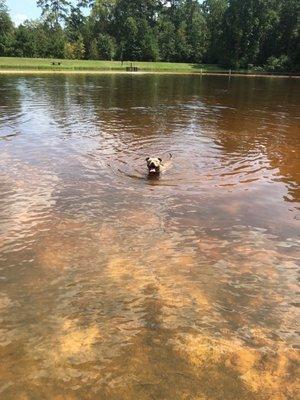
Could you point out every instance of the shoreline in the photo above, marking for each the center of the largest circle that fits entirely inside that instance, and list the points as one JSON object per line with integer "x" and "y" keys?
{"x": 100, "y": 72}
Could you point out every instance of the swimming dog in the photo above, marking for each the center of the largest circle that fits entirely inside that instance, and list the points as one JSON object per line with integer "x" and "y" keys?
{"x": 156, "y": 165}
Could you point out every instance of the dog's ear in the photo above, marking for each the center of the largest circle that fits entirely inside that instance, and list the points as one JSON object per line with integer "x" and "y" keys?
{"x": 148, "y": 158}
{"x": 160, "y": 159}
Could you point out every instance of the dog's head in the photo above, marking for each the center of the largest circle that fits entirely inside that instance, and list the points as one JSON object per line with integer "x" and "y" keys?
{"x": 154, "y": 164}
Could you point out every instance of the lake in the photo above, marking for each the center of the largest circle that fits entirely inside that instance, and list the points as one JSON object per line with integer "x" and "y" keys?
{"x": 120, "y": 287}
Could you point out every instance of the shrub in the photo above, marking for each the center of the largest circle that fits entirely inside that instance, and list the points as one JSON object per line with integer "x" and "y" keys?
{"x": 278, "y": 64}
{"x": 69, "y": 51}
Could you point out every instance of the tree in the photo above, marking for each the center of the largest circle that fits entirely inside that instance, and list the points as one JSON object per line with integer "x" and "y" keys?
{"x": 24, "y": 41}
{"x": 106, "y": 47}
{"x": 289, "y": 31}
{"x": 55, "y": 43}
{"x": 130, "y": 39}
{"x": 69, "y": 51}
{"x": 166, "y": 39}
{"x": 182, "y": 31}
{"x": 54, "y": 11}
{"x": 74, "y": 50}
{"x": 214, "y": 11}
{"x": 74, "y": 23}
{"x": 6, "y": 30}
{"x": 79, "y": 49}
{"x": 42, "y": 37}
{"x": 246, "y": 24}
{"x": 133, "y": 25}
{"x": 183, "y": 50}
{"x": 148, "y": 43}
{"x": 93, "y": 50}
{"x": 197, "y": 33}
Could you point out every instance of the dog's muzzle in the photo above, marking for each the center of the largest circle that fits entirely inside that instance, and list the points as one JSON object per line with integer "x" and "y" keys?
{"x": 153, "y": 169}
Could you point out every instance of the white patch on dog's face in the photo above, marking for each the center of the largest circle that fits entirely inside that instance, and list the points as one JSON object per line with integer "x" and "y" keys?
{"x": 154, "y": 164}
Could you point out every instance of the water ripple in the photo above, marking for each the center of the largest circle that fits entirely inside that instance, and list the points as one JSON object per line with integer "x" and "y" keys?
{"x": 105, "y": 273}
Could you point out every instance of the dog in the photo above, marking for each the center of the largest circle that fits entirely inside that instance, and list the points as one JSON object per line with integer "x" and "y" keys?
{"x": 156, "y": 165}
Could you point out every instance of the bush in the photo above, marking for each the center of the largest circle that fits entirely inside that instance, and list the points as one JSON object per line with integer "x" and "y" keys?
{"x": 256, "y": 68}
{"x": 69, "y": 51}
{"x": 278, "y": 64}
{"x": 74, "y": 50}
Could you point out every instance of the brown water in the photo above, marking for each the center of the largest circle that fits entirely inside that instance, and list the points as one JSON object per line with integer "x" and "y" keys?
{"x": 114, "y": 286}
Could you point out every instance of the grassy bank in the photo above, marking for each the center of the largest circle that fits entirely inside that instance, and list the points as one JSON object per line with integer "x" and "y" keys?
{"x": 17, "y": 64}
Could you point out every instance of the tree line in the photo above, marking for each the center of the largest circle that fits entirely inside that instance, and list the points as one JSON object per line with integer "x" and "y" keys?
{"x": 230, "y": 33}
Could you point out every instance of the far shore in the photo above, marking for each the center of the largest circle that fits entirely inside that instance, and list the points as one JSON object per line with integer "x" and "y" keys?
{"x": 38, "y": 66}
{"x": 10, "y": 71}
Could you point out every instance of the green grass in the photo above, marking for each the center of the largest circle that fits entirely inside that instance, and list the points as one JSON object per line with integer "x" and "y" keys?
{"x": 45, "y": 64}
{"x": 93, "y": 65}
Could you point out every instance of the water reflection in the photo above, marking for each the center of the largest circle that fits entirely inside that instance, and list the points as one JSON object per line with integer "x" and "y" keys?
{"x": 114, "y": 285}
